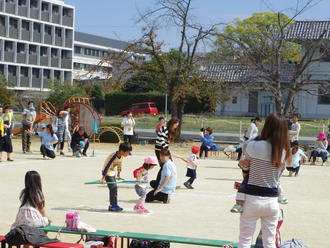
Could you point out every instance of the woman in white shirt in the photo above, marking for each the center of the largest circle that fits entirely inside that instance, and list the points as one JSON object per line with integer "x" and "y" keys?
{"x": 266, "y": 156}
{"x": 252, "y": 131}
{"x": 32, "y": 209}
{"x": 128, "y": 124}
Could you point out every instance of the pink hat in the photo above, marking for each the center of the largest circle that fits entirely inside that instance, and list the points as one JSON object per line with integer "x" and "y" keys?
{"x": 321, "y": 136}
{"x": 151, "y": 160}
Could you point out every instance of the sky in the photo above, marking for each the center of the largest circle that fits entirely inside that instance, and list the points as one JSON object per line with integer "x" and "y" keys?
{"x": 117, "y": 19}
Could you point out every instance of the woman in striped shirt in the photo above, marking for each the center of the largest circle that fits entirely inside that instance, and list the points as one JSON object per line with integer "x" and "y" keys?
{"x": 267, "y": 155}
{"x": 165, "y": 136}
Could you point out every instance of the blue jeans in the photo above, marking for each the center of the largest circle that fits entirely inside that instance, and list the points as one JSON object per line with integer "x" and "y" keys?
{"x": 316, "y": 154}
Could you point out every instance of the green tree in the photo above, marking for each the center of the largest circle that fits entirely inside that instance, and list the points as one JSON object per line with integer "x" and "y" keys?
{"x": 60, "y": 92}
{"x": 141, "y": 82}
{"x": 7, "y": 96}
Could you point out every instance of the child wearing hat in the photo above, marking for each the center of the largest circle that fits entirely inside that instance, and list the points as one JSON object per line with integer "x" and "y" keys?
{"x": 141, "y": 175}
{"x": 191, "y": 162}
{"x": 320, "y": 149}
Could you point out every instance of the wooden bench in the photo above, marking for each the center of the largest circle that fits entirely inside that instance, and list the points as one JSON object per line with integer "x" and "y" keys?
{"x": 143, "y": 236}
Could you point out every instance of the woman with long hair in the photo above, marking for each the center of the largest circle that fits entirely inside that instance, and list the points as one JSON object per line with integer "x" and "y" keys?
{"x": 165, "y": 136}
{"x": 32, "y": 209}
{"x": 267, "y": 155}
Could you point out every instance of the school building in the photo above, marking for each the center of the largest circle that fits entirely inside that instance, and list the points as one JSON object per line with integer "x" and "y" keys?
{"x": 38, "y": 44}
{"x": 247, "y": 100}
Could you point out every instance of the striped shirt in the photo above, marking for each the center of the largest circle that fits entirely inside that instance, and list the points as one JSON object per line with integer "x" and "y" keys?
{"x": 112, "y": 162}
{"x": 264, "y": 177}
{"x": 162, "y": 138}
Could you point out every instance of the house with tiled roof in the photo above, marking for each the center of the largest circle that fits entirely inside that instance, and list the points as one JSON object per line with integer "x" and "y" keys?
{"x": 243, "y": 101}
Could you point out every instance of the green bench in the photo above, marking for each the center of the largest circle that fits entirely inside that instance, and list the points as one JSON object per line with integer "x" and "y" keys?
{"x": 144, "y": 236}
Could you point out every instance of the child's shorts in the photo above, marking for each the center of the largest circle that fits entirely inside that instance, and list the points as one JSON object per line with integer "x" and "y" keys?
{"x": 191, "y": 173}
{"x": 140, "y": 191}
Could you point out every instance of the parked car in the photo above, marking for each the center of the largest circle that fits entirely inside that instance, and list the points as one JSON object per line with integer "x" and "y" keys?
{"x": 149, "y": 108}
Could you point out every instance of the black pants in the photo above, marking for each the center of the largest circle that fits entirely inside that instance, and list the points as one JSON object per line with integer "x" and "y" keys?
{"x": 239, "y": 153}
{"x": 204, "y": 149}
{"x": 191, "y": 180}
{"x": 113, "y": 190}
{"x": 159, "y": 197}
{"x": 128, "y": 139}
{"x": 61, "y": 144}
{"x": 295, "y": 170}
{"x": 46, "y": 152}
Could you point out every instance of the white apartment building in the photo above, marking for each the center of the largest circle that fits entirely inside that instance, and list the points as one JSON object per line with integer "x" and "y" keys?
{"x": 88, "y": 53}
{"x": 36, "y": 42}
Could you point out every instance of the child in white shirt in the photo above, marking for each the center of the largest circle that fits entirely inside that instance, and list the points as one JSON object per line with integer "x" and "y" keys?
{"x": 297, "y": 156}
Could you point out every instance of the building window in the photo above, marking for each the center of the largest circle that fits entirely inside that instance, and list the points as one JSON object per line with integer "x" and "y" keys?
{"x": 36, "y": 27}
{"x": 234, "y": 100}
{"x": 324, "y": 99}
{"x": 48, "y": 30}
{"x": 58, "y": 32}
{"x": 20, "y": 48}
{"x": 11, "y": 70}
{"x": 67, "y": 12}
{"x": 35, "y": 72}
{"x": 46, "y": 73}
{"x": 56, "y": 9}
{"x": 32, "y": 50}
{"x": 325, "y": 54}
{"x": 13, "y": 23}
{"x": 9, "y": 1}
{"x": 45, "y": 7}
{"x": 26, "y": 25}
{"x": 21, "y": 2}
{"x": 77, "y": 50}
{"x": 43, "y": 51}
{"x": 8, "y": 46}
{"x": 34, "y": 4}
{"x": 54, "y": 53}
{"x": 24, "y": 71}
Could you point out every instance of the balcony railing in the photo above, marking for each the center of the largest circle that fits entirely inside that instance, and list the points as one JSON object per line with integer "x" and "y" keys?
{"x": 55, "y": 62}
{"x": 68, "y": 43}
{"x": 23, "y": 11}
{"x": 67, "y": 63}
{"x": 10, "y": 8}
{"x": 9, "y": 56}
{"x": 13, "y": 33}
{"x": 24, "y": 81}
{"x": 68, "y": 21}
{"x": 2, "y": 30}
{"x": 34, "y": 13}
{"x": 36, "y": 37}
{"x": 56, "y": 18}
{"x": 21, "y": 58}
{"x": 12, "y": 79}
{"x": 58, "y": 41}
{"x": 48, "y": 39}
{"x": 26, "y": 35}
{"x": 45, "y": 16}
{"x": 44, "y": 60}
{"x": 33, "y": 59}
{"x": 36, "y": 82}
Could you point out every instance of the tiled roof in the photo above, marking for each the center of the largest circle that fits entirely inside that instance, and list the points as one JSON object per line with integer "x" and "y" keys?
{"x": 242, "y": 73}
{"x": 309, "y": 30}
{"x": 99, "y": 40}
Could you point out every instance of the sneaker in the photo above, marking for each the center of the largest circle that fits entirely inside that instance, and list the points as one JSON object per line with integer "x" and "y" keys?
{"x": 78, "y": 156}
{"x": 144, "y": 210}
{"x": 282, "y": 200}
{"x": 44, "y": 158}
{"x": 84, "y": 154}
{"x": 167, "y": 201}
{"x": 10, "y": 160}
{"x": 290, "y": 173}
{"x": 139, "y": 209}
{"x": 190, "y": 186}
{"x": 62, "y": 153}
{"x": 237, "y": 209}
{"x": 187, "y": 185}
{"x": 115, "y": 208}
{"x": 76, "y": 153}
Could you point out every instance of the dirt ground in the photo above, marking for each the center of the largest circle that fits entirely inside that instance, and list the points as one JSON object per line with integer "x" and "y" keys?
{"x": 202, "y": 212}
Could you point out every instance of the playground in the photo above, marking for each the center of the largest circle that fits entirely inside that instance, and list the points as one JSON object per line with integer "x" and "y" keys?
{"x": 199, "y": 213}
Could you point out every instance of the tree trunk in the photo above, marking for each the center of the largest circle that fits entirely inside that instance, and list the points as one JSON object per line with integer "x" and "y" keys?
{"x": 180, "y": 112}
{"x": 288, "y": 103}
{"x": 278, "y": 106}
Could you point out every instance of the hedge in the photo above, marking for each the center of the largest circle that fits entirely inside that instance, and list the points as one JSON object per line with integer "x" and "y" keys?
{"x": 116, "y": 102}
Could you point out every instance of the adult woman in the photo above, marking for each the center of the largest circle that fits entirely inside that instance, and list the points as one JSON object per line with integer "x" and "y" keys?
{"x": 320, "y": 149}
{"x": 128, "y": 124}
{"x": 267, "y": 155}
{"x": 59, "y": 127}
{"x": 32, "y": 209}
{"x": 7, "y": 145}
{"x": 67, "y": 121}
{"x": 165, "y": 136}
{"x": 252, "y": 131}
{"x": 207, "y": 142}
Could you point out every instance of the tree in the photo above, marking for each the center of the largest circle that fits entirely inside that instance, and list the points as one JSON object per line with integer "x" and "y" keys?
{"x": 60, "y": 92}
{"x": 261, "y": 42}
{"x": 141, "y": 82}
{"x": 179, "y": 68}
{"x": 7, "y": 96}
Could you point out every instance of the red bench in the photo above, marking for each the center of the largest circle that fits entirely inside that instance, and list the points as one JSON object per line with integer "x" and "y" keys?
{"x": 52, "y": 245}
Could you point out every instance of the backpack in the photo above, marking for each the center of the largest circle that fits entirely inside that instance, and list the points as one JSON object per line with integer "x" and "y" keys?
{"x": 293, "y": 243}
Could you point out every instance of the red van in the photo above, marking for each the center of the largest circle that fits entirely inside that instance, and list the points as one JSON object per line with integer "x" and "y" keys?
{"x": 149, "y": 108}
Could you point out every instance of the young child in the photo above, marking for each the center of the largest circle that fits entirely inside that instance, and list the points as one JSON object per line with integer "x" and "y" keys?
{"x": 240, "y": 196}
{"x": 113, "y": 162}
{"x": 141, "y": 175}
{"x": 202, "y": 132}
{"x": 32, "y": 209}
{"x": 160, "y": 124}
{"x": 297, "y": 156}
{"x": 191, "y": 166}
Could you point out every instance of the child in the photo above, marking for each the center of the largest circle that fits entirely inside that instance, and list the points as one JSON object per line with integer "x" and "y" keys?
{"x": 160, "y": 124}
{"x": 240, "y": 196}
{"x": 32, "y": 209}
{"x": 207, "y": 142}
{"x": 113, "y": 162}
{"x": 191, "y": 166}
{"x": 297, "y": 156}
{"x": 48, "y": 140}
{"x": 141, "y": 175}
